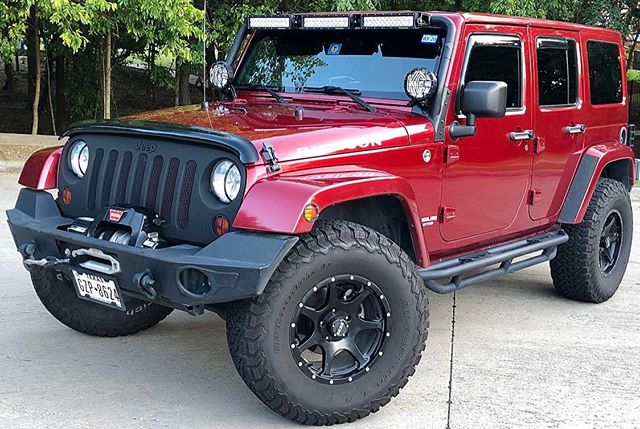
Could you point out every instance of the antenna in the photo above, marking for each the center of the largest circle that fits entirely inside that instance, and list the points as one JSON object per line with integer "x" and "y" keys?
{"x": 204, "y": 105}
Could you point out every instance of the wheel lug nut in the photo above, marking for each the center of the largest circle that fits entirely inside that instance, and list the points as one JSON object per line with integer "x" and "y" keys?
{"x": 333, "y": 310}
{"x": 350, "y": 378}
{"x": 330, "y": 381}
{"x": 326, "y": 338}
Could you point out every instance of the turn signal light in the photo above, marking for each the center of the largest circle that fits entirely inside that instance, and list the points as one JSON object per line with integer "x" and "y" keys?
{"x": 220, "y": 225}
{"x": 311, "y": 212}
{"x": 66, "y": 196}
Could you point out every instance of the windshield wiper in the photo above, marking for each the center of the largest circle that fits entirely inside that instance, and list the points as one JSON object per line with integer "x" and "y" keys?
{"x": 351, "y": 93}
{"x": 271, "y": 92}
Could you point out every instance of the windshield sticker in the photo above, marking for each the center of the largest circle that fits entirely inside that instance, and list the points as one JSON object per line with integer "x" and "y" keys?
{"x": 334, "y": 49}
{"x": 429, "y": 39}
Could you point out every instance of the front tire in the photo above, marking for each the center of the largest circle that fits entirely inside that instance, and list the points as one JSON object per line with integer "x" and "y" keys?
{"x": 591, "y": 265}
{"x": 58, "y": 295}
{"x": 346, "y": 292}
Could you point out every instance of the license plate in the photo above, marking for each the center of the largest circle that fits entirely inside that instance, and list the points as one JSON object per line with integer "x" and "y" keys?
{"x": 97, "y": 289}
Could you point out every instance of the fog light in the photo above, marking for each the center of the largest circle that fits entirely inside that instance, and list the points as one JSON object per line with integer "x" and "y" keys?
{"x": 195, "y": 281}
{"x": 66, "y": 196}
{"x": 311, "y": 212}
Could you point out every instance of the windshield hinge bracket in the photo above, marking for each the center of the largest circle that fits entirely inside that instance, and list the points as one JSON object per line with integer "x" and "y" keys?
{"x": 269, "y": 156}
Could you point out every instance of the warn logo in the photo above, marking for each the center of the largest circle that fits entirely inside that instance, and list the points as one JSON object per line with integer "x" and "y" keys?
{"x": 115, "y": 215}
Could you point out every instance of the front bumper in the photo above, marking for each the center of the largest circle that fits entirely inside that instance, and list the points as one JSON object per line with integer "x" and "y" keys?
{"x": 238, "y": 265}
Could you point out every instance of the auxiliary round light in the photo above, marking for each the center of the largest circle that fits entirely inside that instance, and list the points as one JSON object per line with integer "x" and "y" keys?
{"x": 221, "y": 75}
{"x": 420, "y": 84}
{"x": 79, "y": 158}
{"x": 226, "y": 180}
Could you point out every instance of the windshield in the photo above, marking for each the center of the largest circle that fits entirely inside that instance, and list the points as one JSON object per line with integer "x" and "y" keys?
{"x": 372, "y": 63}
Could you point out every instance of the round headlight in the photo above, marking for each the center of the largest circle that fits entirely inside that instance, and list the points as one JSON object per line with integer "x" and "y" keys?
{"x": 79, "y": 158}
{"x": 220, "y": 74}
{"x": 226, "y": 180}
{"x": 420, "y": 84}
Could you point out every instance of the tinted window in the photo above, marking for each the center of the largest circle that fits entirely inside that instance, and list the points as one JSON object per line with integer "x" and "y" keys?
{"x": 557, "y": 72}
{"x": 605, "y": 73}
{"x": 372, "y": 62}
{"x": 497, "y": 63}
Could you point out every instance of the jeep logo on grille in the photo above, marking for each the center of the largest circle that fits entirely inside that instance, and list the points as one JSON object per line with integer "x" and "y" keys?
{"x": 147, "y": 147}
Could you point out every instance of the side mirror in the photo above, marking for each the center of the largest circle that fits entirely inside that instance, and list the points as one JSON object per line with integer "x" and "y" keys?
{"x": 480, "y": 99}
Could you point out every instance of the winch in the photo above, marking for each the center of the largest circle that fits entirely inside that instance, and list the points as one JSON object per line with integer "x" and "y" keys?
{"x": 126, "y": 226}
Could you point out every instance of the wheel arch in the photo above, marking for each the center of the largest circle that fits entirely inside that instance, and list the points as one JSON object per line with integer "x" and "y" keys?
{"x": 361, "y": 195}
{"x": 613, "y": 161}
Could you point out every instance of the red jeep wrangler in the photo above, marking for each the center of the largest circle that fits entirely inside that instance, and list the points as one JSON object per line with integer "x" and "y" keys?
{"x": 353, "y": 162}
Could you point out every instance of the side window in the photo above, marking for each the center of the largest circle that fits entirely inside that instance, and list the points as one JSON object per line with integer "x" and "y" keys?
{"x": 605, "y": 73}
{"x": 497, "y": 59}
{"x": 557, "y": 72}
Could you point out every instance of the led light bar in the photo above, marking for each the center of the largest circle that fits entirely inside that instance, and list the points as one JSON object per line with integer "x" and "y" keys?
{"x": 325, "y": 22}
{"x": 388, "y": 21}
{"x": 270, "y": 22}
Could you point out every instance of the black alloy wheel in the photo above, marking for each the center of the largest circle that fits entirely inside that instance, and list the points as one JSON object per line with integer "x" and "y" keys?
{"x": 340, "y": 328}
{"x": 610, "y": 240}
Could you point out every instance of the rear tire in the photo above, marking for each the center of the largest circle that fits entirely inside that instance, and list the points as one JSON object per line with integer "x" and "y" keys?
{"x": 58, "y": 295}
{"x": 586, "y": 269}
{"x": 377, "y": 292}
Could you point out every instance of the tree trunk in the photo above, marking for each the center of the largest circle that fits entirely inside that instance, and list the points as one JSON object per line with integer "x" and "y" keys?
{"x": 106, "y": 76}
{"x": 49, "y": 90}
{"x": 8, "y": 71}
{"x": 183, "y": 91}
{"x": 36, "y": 58}
{"x": 61, "y": 102}
{"x": 632, "y": 49}
{"x": 31, "y": 63}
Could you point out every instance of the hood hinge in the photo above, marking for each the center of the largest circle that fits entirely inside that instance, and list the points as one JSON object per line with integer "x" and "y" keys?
{"x": 269, "y": 156}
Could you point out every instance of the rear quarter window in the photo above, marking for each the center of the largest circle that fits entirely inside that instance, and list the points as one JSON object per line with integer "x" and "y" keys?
{"x": 605, "y": 72}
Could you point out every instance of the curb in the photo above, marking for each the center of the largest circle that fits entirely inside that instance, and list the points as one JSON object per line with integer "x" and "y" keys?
{"x": 15, "y": 149}
{"x": 11, "y": 166}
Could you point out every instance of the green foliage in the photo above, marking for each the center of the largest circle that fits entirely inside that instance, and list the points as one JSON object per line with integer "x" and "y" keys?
{"x": 161, "y": 77}
{"x": 13, "y": 25}
{"x": 633, "y": 75}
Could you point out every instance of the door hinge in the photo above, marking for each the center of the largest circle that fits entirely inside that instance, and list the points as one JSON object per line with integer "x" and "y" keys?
{"x": 447, "y": 214}
{"x": 535, "y": 195}
{"x": 539, "y": 145}
{"x": 452, "y": 154}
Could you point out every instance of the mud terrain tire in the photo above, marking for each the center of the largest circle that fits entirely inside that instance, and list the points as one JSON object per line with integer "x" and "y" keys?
{"x": 582, "y": 271}
{"x": 58, "y": 295}
{"x": 259, "y": 330}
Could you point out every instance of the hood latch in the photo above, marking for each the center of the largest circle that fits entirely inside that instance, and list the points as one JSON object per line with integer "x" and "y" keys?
{"x": 269, "y": 156}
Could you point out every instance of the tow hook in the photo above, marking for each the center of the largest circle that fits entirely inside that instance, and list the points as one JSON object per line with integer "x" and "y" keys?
{"x": 146, "y": 281}
{"x": 29, "y": 250}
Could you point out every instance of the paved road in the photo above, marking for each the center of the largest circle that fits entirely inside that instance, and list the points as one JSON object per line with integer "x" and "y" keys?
{"x": 523, "y": 358}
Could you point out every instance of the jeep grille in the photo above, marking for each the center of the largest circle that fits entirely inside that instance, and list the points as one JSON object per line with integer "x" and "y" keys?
{"x": 171, "y": 181}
